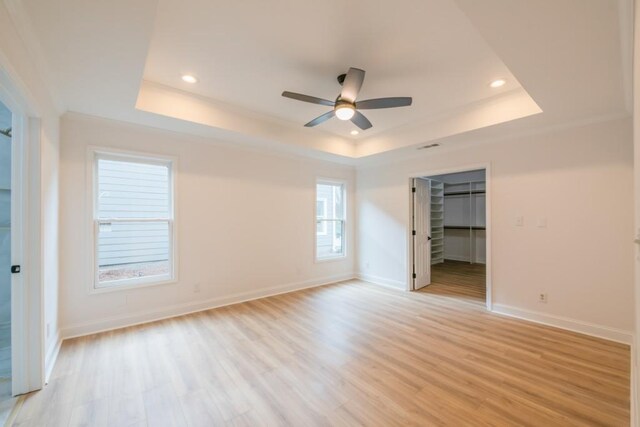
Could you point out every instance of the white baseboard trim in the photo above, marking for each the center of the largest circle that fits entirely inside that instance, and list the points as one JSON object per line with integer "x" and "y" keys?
{"x": 382, "y": 281}
{"x": 117, "y": 322}
{"x": 52, "y": 356}
{"x": 634, "y": 383}
{"x": 605, "y": 332}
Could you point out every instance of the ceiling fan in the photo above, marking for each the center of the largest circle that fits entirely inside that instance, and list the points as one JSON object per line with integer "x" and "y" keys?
{"x": 345, "y": 106}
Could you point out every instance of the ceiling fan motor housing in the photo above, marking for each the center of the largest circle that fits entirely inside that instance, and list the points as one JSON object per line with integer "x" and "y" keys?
{"x": 345, "y": 106}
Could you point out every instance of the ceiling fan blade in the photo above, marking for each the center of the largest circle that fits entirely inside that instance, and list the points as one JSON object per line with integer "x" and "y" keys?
{"x": 361, "y": 121}
{"x": 352, "y": 84}
{"x": 307, "y": 98}
{"x": 372, "y": 104}
{"x": 320, "y": 119}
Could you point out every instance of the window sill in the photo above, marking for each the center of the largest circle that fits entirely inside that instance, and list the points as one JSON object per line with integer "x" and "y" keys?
{"x": 330, "y": 259}
{"x": 160, "y": 281}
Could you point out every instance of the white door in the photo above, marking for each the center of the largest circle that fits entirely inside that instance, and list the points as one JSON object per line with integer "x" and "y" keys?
{"x": 421, "y": 233}
{"x": 635, "y": 407}
{"x": 7, "y": 219}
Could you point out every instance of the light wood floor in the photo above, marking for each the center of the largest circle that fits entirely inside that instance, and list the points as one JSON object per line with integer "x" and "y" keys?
{"x": 344, "y": 354}
{"x": 460, "y": 280}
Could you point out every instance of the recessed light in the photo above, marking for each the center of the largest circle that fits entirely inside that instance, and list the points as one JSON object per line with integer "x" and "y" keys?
{"x": 497, "y": 83}
{"x": 189, "y": 78}
{"x": 354, "y": 132}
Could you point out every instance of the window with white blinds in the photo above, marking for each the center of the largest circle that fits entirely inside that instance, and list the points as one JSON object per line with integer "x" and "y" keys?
{"x": 133, "y": 220}
{"x": 330, "y": 220}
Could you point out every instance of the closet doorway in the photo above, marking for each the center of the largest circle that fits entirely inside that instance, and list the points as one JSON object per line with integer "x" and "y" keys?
{"x": 449, "y": 235}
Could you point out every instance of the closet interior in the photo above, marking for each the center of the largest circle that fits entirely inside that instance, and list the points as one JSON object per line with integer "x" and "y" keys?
{"x": 458, "y": 227}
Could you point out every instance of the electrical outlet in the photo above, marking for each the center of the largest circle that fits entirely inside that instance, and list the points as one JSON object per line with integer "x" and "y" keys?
{"x": 196, "y": 288}
{"x": 542, "y": 297}
{"x": 366, "y": 265}
{"x": 519, "y": 221}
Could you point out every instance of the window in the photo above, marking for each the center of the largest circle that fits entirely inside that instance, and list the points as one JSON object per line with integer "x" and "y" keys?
{"x": 330, "y": 220}
{"x": 321, "y": 213}
{"x": 133, "y": 220}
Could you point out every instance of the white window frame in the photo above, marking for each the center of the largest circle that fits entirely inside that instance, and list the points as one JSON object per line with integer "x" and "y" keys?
{"x": 330, "y": 181}
{"x": 324, "y": 201}
{"x": 97, "y": 153}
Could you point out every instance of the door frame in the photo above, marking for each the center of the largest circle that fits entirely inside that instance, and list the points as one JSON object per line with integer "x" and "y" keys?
{"x": 27, "y": 339}
{"x": 488, "y": 231}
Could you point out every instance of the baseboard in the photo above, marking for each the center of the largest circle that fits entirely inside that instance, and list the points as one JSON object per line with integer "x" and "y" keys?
{"x": 117, "y": 322}
{"x": 634, "y": 382}
{"x": 52, "y": 356}
{"x": 605, "y": 332}
{"x": 382, "y": 281}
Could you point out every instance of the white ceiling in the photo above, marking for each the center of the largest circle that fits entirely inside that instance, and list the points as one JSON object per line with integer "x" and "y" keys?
{"x": 246, "y": 53}
{"x": 564, "y": 61}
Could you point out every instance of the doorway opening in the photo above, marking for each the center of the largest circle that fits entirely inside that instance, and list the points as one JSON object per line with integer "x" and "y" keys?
{"x": 450, "y": 235}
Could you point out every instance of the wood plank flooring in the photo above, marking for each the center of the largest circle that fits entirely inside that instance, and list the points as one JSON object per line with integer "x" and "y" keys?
{"x": 458, "y": 279}
{"x": 346, "y": 354}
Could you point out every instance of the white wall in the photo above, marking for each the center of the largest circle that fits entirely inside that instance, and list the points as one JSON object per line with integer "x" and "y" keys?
{"x": 580, "y": 179}
{"x": 246, "y": 224}
{"x": 17, "y": 62}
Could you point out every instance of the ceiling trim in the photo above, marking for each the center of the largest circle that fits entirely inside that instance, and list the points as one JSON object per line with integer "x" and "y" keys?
{"x": 473, "y": 138}
{"x": 170, "y": 102}
{"x": 193, "y": 132}
{"x": 512, "y": 105}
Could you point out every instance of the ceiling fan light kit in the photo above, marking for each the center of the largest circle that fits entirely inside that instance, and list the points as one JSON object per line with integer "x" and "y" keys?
{"x": 345, "y": 106}
{"x": 344, "y": 111}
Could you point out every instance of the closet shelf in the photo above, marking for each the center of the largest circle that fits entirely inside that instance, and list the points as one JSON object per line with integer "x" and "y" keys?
{"x": 463, "y": 193}
{"x": 464, "y": 227}
{"x": 436, "y": 190}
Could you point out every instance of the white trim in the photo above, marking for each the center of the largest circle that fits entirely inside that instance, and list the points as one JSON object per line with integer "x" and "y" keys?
{"x": 598, "y": 331}
{"x": 488, "y": 230}
{"x": 117, "y": 322}
{"x": 383, "y": 281}
{"x": 52, "y": 356}
{"x": 94, "y": 153}
{"x": 634, "y": 383}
